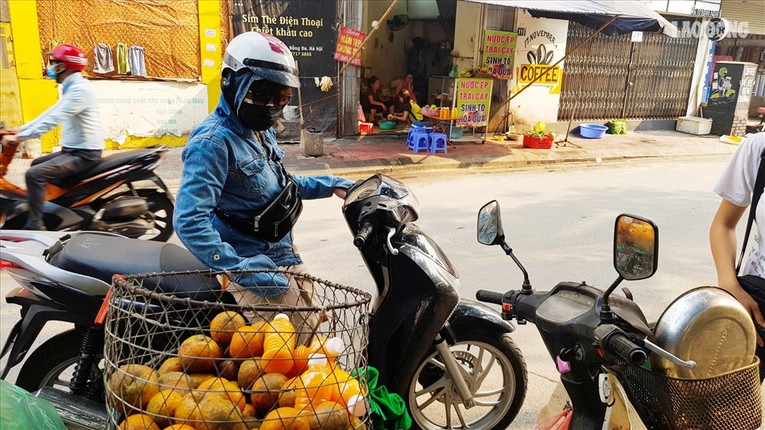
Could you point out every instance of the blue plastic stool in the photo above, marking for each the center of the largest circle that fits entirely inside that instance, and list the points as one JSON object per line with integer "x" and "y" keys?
{"x": 438, "y": 142}
{"x": 418, "y": 140}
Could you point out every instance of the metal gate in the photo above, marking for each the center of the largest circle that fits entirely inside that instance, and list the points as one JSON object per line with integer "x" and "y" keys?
{"x": 612, "y": 77}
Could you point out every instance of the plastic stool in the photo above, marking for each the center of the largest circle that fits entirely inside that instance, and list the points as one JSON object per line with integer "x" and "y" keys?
{"x": 438, "y": 142}
{"x": 419, "y": 140}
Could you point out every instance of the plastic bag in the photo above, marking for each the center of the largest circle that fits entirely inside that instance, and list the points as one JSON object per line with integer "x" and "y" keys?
{"x": 20, "y": 410}
{"x": 558, "y": 422}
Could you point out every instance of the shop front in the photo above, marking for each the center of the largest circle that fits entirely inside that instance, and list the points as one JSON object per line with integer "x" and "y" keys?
{"x": 152, "y": 88}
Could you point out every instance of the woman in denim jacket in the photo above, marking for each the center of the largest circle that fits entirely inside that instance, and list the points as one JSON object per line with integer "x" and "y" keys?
{"x": 232, "y": 170}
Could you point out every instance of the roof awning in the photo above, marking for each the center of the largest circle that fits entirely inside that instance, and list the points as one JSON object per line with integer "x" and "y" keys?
{"x": 630, "y": 15}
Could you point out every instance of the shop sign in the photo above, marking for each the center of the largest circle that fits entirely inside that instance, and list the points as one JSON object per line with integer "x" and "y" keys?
{"x": 149, "y": 109}
{"x": 499, "y": 52}
{"x": 348, "y": 41}
{"x": 311, "y": 36}
{"x": 551, "y": 76}
{"x": 473, "y": 101}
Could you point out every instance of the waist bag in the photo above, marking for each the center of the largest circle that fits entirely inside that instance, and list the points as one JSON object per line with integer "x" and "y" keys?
{"x": 277, "y": 218}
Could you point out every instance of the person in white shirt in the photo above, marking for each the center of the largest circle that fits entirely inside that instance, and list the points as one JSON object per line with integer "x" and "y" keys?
{"x": 736, "y": 187}
{"x": 82, "y": 137}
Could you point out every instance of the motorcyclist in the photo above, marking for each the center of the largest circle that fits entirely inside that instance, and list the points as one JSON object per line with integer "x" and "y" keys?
{"x": 82, "y": 137}
{"x": 233, "y": 171}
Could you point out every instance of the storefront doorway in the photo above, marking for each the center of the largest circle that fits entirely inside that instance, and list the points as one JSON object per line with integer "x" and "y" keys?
{"x": 417, "y": 38}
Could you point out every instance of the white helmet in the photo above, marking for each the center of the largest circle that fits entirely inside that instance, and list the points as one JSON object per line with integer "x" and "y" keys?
{"x": 264, "y": 55}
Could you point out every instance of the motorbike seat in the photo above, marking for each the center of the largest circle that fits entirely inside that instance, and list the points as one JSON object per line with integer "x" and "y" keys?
{"x": 106, "y": 164}
{"x": 102, "y": 255}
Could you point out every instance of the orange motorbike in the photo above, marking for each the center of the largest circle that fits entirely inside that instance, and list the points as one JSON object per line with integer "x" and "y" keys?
{"x": 122, "y": 195}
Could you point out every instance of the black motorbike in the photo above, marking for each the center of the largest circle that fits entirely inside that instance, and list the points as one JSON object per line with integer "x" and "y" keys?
{"x": 610, "y": 358}
{"x": 122, "y": 194}
{"x": 452, "y": 360}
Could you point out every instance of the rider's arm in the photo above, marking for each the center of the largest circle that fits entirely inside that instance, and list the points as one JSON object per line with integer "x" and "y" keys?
{"x": 735, "y": 187}
{"x": 319, "y": 187}
{"x": 72, "y": 103}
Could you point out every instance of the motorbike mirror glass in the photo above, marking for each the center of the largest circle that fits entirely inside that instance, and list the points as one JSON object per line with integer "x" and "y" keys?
{"x": 490, "y": 224}
{"x": 636, "y": 247}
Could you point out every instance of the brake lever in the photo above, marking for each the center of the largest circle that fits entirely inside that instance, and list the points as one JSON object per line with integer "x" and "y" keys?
{"x": 690, "y": 364}
{"x": 391, "y": 232}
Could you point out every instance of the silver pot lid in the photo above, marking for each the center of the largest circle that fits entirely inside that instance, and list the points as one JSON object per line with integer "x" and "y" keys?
{"x": 709, "y": 326}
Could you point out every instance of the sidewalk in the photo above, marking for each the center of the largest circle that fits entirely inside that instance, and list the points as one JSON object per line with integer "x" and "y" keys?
{"x": 361, "y": 157}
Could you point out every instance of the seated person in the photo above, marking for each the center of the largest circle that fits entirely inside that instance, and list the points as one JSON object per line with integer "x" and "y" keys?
{"x": 406, "y": 83}
{"x": 401, "y": 108}
{"x": 372, "y": 102}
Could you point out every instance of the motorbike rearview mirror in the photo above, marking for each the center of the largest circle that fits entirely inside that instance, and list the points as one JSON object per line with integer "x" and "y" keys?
{"x": 490, "y": 224}
{"x": 636, "y": 254}
{"x": 490, "y": 232}
{"x": 636, "y": 246}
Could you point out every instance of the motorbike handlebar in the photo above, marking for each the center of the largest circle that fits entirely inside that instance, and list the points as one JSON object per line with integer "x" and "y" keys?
{"x": 620, "y": 345}
{"x": 489, "y": 297}
{"x": 365, "y": 232}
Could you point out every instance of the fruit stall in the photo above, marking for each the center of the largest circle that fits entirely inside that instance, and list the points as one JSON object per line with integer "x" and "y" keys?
{"x": 192, "y": 359}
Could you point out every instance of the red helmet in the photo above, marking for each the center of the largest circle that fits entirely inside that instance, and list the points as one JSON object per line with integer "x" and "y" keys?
{"x": 73, "y": 57}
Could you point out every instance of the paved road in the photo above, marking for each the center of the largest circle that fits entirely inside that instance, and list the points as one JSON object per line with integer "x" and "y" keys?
{"x": 559, "y": 222}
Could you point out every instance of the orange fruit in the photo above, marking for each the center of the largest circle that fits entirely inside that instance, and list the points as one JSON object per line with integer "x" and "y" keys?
{"x": 176, "y": 381}
{"x": 188, "y": 410}
{"x": 224, "y": 325}
{"x": 247, "y": 341}
{"x": 330, "y": 416}
{"x": 226, "y": 389}
{"x": 227, "y": 369}
{"x": 134, "y": 384}
{"x": 266, "y": 390}
{"x": 249, "y": 371}
{"x": 198, "y": 353}
{"x": 162, "y": 406}
{"x": 285, "y": 419}
{"x": 172, "y": 364}
{"x": 287, "y": 396}
{"x": 180, "y": 427}
{"x": 218, "y": 413}
{"x": 138, "y": 422}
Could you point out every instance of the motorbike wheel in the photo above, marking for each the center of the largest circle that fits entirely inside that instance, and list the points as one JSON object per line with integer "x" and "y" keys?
{"x": 493, "y": 369}
{"x": 52, "y": 364}
{"x": 162, "y": 207}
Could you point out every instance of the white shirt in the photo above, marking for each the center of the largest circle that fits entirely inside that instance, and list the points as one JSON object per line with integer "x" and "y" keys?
{"x": 736, "y": 185}
{"x": 76, "y": 111}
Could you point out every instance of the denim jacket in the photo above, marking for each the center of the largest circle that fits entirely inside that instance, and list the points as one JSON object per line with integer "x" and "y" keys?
{"x": 226, "y": 168}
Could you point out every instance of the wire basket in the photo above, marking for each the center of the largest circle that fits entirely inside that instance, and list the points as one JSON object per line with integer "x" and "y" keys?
{"x": 189, "y": 348}
{"x": 731, "y": 401}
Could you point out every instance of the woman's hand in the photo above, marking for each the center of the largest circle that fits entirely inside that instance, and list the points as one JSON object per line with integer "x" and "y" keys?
{"x": 751, "y": 306}
{"x": 340, "y": 192}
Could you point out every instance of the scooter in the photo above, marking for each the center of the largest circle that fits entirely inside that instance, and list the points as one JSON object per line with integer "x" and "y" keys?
{"x": 452, "y": 361}
{"x": 619, "y": 370}
{"x": 65, "y": 277}
{"x": 122, "y": 194}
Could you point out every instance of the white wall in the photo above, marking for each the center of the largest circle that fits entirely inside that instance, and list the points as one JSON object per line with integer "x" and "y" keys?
{"x": 540, "y": 102}
{"x": 150, "y": 109}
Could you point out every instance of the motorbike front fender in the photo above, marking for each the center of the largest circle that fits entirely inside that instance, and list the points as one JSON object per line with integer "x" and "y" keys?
{"x": 475, "y": 317}
{"x": 35, "y": 313}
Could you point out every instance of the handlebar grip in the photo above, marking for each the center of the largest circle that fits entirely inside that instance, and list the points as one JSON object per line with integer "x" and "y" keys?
{"x": 489, "y": 297}
{"x": 619, "y": 344}
{"x": 367, "y": 228}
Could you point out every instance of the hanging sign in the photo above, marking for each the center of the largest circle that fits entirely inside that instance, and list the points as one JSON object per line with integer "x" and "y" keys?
{"x": 499, "y": 53}
{"x": 473, "y": 101}
{"x": 348, "y": 41}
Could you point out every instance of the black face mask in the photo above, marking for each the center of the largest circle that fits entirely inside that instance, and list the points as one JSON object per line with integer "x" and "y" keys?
{"x": 259, "y": 118}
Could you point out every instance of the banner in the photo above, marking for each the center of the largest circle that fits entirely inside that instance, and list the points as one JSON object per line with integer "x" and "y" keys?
{"x": 348, "y": 41}
{"x": 499, "y": 52}
{"x": 310, "y": 33}
{"x": 473, "y": 101}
